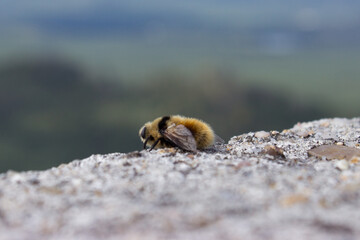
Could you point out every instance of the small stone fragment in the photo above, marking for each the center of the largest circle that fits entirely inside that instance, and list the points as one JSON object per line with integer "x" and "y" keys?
{"x": 306, "y": 134}
{"x": 262, "y": 134}
{"x": 127, "y": 164}
{"x": 171, "y": 150}
{"x": 273, "y": 150}
{"x": 334, "y": 152}
{"x": 274, "y": 132}
{"x": 342, "y": 165}
{"x": 323, "y": 202}
{"x": 241, "y": 165}
{"x": 355, "y": 160}
{"x": 293, "y": 199}
{"x": 34, "y": 181}
{"x": 325, "y": 124}
{"x": 286, "y": 131}
{"x": 51, "y": 190}
{"x": 15, "y": 176}
{"x": 135, "y": 154}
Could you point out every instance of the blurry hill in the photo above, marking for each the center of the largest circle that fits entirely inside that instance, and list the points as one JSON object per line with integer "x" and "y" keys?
{"x": 52, "y": 112}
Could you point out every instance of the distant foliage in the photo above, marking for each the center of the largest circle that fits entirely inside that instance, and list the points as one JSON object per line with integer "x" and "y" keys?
{"x": 51, "y": 112}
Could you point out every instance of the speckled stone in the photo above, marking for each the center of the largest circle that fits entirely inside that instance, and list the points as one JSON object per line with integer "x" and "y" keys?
{"x": 253, "y": 187}
{"x": 335, "y": 152}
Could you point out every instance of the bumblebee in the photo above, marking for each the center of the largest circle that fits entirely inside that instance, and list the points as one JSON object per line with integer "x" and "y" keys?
{"x": 188, "y": 134}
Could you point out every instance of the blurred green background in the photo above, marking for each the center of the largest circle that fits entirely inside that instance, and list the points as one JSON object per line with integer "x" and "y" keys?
{"x": 81, "y": 77}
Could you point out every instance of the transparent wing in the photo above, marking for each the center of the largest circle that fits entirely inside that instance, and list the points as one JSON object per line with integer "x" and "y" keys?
{"x": 181, "y": 137}
{"x": 219, "y": 140}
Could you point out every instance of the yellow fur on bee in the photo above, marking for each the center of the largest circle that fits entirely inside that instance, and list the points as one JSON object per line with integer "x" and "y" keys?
{"x": 202, "y": 132}
{"x": 153, "y": 129}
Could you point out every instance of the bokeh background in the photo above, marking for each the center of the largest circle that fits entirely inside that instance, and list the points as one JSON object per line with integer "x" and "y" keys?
{"x": 81, "y": 77}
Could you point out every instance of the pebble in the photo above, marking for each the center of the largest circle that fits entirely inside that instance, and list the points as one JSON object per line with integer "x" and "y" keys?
{"x": 274, "y": 151}
{"x": 334, "y": 152}
{"x": 342, "y": 165}
{"x": 293, "y": 199}
{"x": 262, "y": 134}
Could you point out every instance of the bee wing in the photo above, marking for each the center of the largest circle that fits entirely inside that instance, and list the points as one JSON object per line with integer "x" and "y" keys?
{"x": 219, "y": 140}
{"x": 181, "y": 136}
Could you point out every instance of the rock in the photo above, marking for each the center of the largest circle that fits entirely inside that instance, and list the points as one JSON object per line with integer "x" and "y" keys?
{"x": 293, "y": 199}
{"x": 262, "y": 134}
{"x": 306, "y": 134}
{"x": 274, "y": 151}
{"x": 334, "y": 152}
{"x": 355, "y": 160}
{"x": 342, "y": 164}
{"x": 258, "y": 186}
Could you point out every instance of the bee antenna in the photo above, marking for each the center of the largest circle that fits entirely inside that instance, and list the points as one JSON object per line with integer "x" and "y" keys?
{"x": 147, "y": 139}
{"x": 155, "y": 143}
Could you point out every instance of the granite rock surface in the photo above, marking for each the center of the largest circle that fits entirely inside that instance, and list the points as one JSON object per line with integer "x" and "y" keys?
{"x": 260, "y": 185}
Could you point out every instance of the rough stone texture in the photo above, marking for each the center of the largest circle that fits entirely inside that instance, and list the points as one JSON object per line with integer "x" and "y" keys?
{"x": 334, "y": 151}
{"x": 258, "y": 186}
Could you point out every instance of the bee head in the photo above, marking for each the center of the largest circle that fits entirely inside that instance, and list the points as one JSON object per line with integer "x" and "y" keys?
{"x": 149, "y": 133}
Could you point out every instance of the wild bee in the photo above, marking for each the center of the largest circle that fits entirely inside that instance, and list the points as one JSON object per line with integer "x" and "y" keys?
{"x": 188, "y": 134}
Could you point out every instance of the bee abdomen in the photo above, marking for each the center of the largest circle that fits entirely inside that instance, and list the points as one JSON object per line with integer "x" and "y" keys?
{"x": 204, "y": 140}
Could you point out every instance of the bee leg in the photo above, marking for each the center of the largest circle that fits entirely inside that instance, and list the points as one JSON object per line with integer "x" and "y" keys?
{"x": 155, "y": 143}
{"x": 146, "y": 142}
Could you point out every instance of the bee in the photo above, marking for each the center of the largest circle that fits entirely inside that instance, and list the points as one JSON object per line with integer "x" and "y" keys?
{"x": 188, "y": 134}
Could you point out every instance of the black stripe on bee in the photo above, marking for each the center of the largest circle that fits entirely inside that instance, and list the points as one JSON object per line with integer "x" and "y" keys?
{"x": 162, "y": 123}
